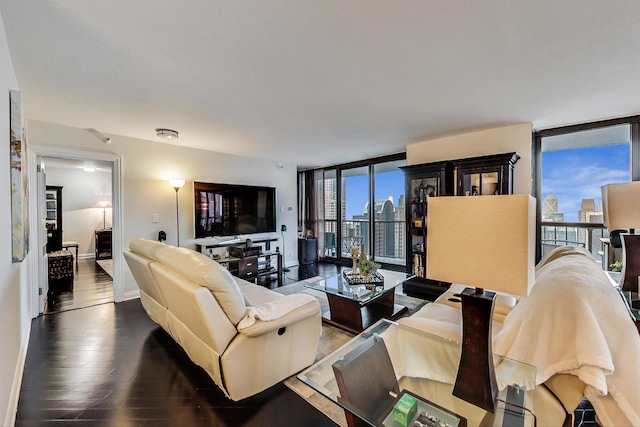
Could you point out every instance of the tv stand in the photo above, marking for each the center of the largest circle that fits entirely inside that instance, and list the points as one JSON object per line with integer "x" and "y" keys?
{"x": 250, "y": 267}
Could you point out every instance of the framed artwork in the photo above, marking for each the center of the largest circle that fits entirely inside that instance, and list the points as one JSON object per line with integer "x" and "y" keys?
{"x": 19, "y": 182}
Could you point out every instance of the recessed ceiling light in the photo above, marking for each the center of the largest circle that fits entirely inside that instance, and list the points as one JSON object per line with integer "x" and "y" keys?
{"x": 167, "y": 133}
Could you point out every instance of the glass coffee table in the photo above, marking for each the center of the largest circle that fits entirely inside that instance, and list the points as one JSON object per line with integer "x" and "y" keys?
{"x": 425, "y": 366}
{"x": 353, "y": 308}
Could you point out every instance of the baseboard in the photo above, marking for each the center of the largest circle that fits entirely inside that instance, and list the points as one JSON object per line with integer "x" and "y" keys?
{"x": 131, "y": 295}
{"x": 14, "y": 397}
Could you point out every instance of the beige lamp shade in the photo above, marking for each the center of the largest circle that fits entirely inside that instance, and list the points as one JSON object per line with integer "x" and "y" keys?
{"x": 621, "y": 205}
{"x": 103, "y": 204}
{"x": 483, "y": 241}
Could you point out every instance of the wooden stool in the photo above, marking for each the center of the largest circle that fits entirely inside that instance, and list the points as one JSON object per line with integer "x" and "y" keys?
{"x": 67, "y": 245}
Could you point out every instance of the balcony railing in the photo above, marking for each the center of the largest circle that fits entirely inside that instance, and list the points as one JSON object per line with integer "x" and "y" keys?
{"x": 389, "y": 239}
{"x": 590, "y": 236}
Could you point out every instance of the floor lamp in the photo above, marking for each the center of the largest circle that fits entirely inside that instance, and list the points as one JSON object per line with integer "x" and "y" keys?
{"x": 177, "y": 184}
{"x": 621, "y": 212}
{"x": 486, "y": 242}
{"x": 282, "y": 230}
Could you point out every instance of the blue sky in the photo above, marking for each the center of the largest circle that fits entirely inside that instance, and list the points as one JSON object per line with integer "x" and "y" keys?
{"x": 386, "y": 184}
{"x": 573, "y": 175}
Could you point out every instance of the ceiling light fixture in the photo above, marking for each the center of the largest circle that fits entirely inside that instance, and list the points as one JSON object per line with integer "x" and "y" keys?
{"x": 167, "y": 133}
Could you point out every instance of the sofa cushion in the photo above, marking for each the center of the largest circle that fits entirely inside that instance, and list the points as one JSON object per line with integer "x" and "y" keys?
{"x": 146, "y": 248}
{"x": 203, "y": 271}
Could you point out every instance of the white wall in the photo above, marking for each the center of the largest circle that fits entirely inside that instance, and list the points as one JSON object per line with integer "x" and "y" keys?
{"x": 517, "y": 137}
{"x": 14, "y": 278}
{"x": 81, "y": 192}
{"x": 146, "y": 168}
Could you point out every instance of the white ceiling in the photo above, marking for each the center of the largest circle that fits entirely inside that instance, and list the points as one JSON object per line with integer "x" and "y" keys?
{"x": 322, "y": 82}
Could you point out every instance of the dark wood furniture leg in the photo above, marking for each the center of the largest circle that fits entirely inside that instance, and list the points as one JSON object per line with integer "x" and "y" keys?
{"x": 350, "y": 316}
{"x": 631, "y": 262}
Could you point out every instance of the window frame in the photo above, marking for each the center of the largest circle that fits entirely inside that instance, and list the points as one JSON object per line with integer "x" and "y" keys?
{"x": 370, "y": 164}
{"x": 634, "y": 167}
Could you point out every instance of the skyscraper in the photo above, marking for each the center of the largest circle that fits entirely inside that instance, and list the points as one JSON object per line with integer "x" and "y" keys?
{"x": 587, "y": 206}
{"x": 550, "y": 209}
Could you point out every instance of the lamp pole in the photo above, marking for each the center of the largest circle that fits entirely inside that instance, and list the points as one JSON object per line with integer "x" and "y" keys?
{"x": 177, "y": 216}
{"x": 177, "y": 185}
{"x": 284, "y": 253}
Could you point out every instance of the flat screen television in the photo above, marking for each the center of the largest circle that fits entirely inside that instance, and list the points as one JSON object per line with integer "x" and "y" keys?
{"x": 229, "y": 210}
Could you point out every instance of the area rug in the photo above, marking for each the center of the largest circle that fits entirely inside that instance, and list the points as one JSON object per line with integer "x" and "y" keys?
{"x": 331, "y": 339}
{"x": 106, "y": 265}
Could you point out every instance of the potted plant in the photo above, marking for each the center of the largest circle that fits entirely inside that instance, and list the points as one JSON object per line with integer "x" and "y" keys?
{"x": 367, "y": 267}
{"x": 616, "y": 266}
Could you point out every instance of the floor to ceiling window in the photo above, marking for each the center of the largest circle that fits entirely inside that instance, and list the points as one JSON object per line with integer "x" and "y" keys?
{"x": 574, "y": 163}
{"x": 330, "y": 194}
{"x": 390, "y": 219}
{"x": 364, "y": 205}
{"x": 356, "y": 209}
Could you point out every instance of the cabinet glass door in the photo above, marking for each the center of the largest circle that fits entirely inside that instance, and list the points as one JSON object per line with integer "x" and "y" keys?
{"x": 480, "y": 184}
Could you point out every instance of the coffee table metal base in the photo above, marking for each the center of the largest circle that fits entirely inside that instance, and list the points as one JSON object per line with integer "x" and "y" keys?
{"x": 351, "y": 316}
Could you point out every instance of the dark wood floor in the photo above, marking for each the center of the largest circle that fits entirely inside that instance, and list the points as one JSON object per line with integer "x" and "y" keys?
{"x": 91, "y": 286}
{"x": 110, "y": 365}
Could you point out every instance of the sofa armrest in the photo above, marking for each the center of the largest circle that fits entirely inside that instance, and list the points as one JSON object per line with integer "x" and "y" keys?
{"x": 307, "y": 307}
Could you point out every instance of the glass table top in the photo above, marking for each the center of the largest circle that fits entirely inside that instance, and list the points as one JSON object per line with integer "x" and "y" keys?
{"x": 426, "y": 367}
{"x": 338, "y": 285}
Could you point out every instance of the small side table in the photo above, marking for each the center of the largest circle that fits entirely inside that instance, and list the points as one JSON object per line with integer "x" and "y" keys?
{"x": 103, "y": 244}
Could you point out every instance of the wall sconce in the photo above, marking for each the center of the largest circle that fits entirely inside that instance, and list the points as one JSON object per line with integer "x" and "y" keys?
{"x": 177, "y": 184}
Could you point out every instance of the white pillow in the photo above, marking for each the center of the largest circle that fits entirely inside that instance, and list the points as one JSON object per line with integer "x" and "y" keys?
{"x": 204, "y": 271}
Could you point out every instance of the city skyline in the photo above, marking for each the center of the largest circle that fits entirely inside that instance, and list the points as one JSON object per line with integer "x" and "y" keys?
{"x": 387, "y": 184}
{"x": 577, "y": 174}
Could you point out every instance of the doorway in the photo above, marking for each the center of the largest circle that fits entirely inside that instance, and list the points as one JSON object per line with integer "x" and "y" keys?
{"x": 78, "y": 208}
{"x": 89, "y": 210}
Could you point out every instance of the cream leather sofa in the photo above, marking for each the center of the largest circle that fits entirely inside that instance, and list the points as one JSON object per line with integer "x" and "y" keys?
{"x": 245, "y": 336}
{"x": 573, "y": 327}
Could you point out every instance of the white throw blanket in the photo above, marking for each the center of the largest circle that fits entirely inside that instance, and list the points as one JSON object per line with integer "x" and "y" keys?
{"x": 575, "y": 322}
{"x": 273, "y": 310}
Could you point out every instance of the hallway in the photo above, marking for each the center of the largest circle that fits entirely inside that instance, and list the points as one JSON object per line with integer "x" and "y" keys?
{"x": 91, "y": 286}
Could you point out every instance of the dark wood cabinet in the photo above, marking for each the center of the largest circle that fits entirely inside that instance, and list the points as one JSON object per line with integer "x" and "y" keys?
{"x": 248, "y": 267}
{"x": 486, "y": 175}
{"x": 53, "y": 217}
{"x": 103, "y": 244}
{"x": 422, "y": 182}
{"x": 463, "y": 177}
